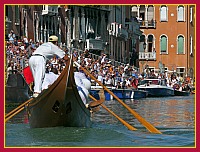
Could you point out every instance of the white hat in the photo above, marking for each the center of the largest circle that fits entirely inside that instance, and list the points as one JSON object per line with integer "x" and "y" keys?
{"x": 53, "y": 38}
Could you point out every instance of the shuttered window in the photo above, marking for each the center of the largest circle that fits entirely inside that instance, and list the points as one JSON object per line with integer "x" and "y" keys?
{"x": 163, "y": 44}
{"x": 180, "y": 45}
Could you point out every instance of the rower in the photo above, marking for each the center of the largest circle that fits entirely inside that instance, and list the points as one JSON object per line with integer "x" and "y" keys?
{"x": 49, "y": 78}
{"x": 83, "y": 86}
{"x": 38, "y": 60}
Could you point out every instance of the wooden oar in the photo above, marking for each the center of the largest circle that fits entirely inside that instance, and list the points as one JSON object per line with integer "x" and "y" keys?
{"x": 14, "y": 112}
{"x": 111, "y": 112}
{"x": 146, "y": 124}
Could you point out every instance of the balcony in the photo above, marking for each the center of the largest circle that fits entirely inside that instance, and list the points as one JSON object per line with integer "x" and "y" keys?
{"x": 117, "y": 30}
{"x": 50, "y": 10}
{"x": 148, "y": 24}
{"x": 7, "y": 20}
{"x": 147, "y": 56}
{"x": 122, "y": 33}
{"x": 94, "y": 44}
{"x": 133, "y": 28}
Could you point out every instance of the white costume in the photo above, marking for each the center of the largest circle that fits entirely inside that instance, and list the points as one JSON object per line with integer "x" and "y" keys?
{"x": 49, "y": 79}
{"x": 83, "y": 85}
{"x": 37, "y": 62}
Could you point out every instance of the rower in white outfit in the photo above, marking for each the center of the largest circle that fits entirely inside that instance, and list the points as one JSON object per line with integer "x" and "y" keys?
{"x": 83, "y": 85}
{"x": 50, "y": 78}
{"x": 37, "y": 62}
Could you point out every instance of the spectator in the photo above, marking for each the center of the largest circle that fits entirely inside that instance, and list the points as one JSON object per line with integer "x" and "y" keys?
{"x": 11, "y": 36}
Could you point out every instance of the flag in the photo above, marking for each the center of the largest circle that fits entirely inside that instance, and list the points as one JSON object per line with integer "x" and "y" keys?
{"x": 28, "y": 75}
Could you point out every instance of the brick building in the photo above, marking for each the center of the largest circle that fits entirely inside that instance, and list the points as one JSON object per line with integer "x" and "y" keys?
{"x": 170, "y": 29}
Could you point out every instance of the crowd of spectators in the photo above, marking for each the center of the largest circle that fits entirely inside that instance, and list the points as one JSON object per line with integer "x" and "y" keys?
{"x": 18, "y": 53}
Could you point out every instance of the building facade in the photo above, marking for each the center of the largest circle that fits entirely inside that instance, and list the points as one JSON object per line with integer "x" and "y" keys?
{"x": 99, "y": 29}
{"x": 168, "y": 39}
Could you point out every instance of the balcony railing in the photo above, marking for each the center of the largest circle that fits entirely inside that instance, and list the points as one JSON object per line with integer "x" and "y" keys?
{"x": 147, "y": 56}
{"x": 122, "y": 33}
{"x": 50, "y": 10}
{"x": 148, "y": 24}
{"x": 117, "y": 30}
{"x": 7, "y": 20}
{"x": 94, "y": 44}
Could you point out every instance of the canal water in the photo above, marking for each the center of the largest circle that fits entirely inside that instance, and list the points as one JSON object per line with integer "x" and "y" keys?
{"x": 173, "y": 116}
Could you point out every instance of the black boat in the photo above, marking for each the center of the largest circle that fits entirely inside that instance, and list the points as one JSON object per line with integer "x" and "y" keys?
{"x": 16, "y": 89}
{"x": 181, "y": 93}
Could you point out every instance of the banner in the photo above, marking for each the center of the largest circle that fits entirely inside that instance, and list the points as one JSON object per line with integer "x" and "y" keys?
{"x": 28, "y": 75}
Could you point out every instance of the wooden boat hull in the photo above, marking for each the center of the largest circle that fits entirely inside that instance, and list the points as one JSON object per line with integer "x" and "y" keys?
{"x": 59, "y": 105}
{"x": 16, "y": 89}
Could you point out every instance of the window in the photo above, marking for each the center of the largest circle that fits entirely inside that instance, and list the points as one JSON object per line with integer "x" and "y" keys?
{"x": 142, "y": 40}
{"x": 7, "y": 10}
{"x": 17, "y": 20}
{"x": 180, "y": 71}
{"x": 163, "y": 44}
{"x": 142, "y": 12}
{"x": 163, "y": 13}
{"x": 150, "y": 43}
{"x": 180, "y": 13}
{"x": 191, "y": 45}
{"x": 150, "y": 13}
{"x": 180, "y": 44}
{"x": 45, "y": 7}
{"x": 134, "y": 11}
{"x": 191, "y": 14}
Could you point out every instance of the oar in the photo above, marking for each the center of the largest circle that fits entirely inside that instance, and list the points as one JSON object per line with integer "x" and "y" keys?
{"x": 146, "y": 124}
{"x": 111, "y": 112}
{"x": 14, "y": 112}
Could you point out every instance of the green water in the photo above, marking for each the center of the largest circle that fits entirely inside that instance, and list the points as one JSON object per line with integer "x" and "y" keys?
{"x": 173, "y": 116}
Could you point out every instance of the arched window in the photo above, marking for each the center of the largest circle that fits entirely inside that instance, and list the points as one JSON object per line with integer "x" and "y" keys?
{"x": 150, "y": 43}
{"x": 180, "y": 13}
{"x": 191, "y": 45}
{"x": 142, "y": 40}
{"x": 191, "y": 14}
{"x": 150, "y": 13}
{"x": 134, "y": 11}
{"x": 142, "y": 12}
{"x": 163, "y": 44}
{"x": 180, "y": 44}
{"x": 163, "y": 13}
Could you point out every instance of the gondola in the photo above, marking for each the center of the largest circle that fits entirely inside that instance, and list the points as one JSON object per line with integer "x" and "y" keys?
{"x": 16, "y": 89}
{"x": 60, "y": 104}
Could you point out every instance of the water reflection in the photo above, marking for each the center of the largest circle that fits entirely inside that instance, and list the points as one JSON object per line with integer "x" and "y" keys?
{"x": 170, "y": 112}
{"x": 173, "y": 116}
